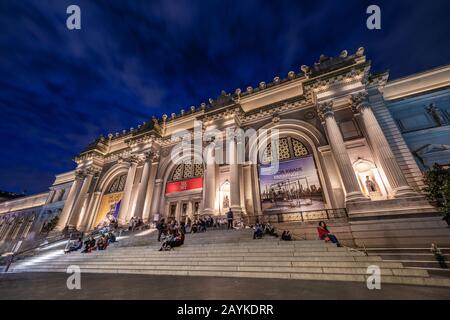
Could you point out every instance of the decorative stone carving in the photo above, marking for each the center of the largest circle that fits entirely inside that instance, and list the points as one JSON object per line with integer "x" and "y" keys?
{"x": 360, "y": 52}
{"x": 276, "y": 118}
{"x": 306, "y": 70}
{"x": 276, "y": 80}
{"x": 309, "y": 115}
{"x": 262, "y": 85}
{"x": 436, "y": 114}
{"x": 249, "y": 89}
{"x": 325, "y": 110}
{"x": 358, "y": 101}
{"x": 343, "y": 54}
{"x": 291, "y": 75}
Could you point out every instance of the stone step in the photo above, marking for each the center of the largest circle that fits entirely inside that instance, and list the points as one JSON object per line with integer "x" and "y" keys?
{"x": 338, "y": 264}
{"x": 242, "y": 250}
{"x": 326, "y": 270}
{"x": 407, "y": 280}
{"x": 221, "y": 258}
{"x": 181, "y": 254}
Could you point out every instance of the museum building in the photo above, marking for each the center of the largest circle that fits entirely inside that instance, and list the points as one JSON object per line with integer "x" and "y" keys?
{"x": 352, "y": 148}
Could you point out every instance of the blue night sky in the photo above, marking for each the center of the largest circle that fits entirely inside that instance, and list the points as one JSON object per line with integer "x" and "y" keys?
{"x": 61, "y": 89}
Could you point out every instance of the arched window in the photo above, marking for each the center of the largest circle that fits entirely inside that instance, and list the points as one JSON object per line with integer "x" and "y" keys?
{"x": 288, "y": 148}
{"x": 187, "y": 170}
{"x": 117, "y": 185}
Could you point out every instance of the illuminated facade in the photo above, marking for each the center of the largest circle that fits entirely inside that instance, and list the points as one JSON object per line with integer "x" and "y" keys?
{"x": 348, "y": 138}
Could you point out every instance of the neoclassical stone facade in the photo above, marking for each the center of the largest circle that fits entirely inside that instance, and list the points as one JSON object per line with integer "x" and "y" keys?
{"x": 340, "y": 146}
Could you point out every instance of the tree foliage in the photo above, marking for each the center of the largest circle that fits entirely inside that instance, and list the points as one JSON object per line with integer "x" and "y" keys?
{"x": 437, "y": 181}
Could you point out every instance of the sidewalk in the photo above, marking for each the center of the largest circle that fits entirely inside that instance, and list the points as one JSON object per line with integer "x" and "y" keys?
{"x": 123, "y": 286}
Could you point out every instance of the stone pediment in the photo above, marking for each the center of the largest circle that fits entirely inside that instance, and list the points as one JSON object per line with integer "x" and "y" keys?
{"x": 432, "y": 148}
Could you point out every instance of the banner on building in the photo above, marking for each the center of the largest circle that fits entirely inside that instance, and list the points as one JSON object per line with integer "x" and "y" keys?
{"x": 109, "y": 206}
{"x": 295, "y": 187}
{"x": 178, "y": 186}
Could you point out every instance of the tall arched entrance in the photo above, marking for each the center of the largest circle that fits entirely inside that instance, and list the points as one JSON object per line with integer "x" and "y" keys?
{"x": 110, "y": 202}
{"x": 295, "y": 185}
{"x": 183, "y": 192}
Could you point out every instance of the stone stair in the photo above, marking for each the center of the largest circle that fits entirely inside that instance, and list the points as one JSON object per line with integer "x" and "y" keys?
{"x": 223, "y": 253}
{"x": 416, "y": 258}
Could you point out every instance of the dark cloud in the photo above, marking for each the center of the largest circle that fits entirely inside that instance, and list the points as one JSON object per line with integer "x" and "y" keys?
{"x": 60, "y": 89}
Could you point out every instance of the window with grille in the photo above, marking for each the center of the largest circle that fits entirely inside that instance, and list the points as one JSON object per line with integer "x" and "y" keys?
{"x": 117, "y": 185}
{"x": 288, "y": 148}
{"x": 187, "y": 170}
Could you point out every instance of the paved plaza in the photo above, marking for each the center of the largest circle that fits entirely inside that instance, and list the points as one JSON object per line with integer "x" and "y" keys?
{"x": 123, "y": 286}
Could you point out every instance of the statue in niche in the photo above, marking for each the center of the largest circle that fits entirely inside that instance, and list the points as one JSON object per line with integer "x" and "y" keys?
{"x": 196, "y": 207}
{"x": 436, "y": 113}
{"x": 371, "y": 185}
{"x": 226, "y": 202}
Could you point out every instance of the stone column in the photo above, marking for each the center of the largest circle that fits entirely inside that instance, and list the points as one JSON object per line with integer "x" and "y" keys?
{"x": 87, "y": 213}
{"x": 156, "y": 199}
{"x": 65, "y": 214}
{"x": 142, "y": 189}
{"x": 351, "y": 185}
{"x": 210, "y": 180}
{"x": 124, "y": 204}
{"x": 91, "y": 212}
{"x": 235, "y": 179}
{"x": 381, "y": 148}
{"x": 149, "y": 197}
{"x": 75, "y": 215}
{"x": 51, "y": 196}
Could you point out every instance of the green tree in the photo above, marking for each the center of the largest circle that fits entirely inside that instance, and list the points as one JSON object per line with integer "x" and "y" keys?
{"x": 437, "y": 181}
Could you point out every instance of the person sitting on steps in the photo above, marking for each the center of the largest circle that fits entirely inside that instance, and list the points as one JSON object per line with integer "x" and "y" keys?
{"x": 286, "y": 236}
{"x": 269, "y": 229}
{"x": 75, "y": 246}
{"x": 258, "y": 234}
{"x": 325, "y": 234}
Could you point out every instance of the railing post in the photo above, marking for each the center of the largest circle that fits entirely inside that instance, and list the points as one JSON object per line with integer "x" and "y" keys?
{"x": 10, "y": 260}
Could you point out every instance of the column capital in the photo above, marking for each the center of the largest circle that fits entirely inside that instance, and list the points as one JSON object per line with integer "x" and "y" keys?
{"x": 358, "y": 102}
{"x": 152, "y": 156}
{"x": 133, "y": 159}
{"x": 94, "y": 171}
{"x": 80, "y": 174}
{"x": 325, "y": 110}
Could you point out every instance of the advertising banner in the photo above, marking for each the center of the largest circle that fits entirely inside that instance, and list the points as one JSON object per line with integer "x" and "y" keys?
{"x": 295, "y": 187}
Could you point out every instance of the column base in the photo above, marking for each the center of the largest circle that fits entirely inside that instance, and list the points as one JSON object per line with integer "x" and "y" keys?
{"x": 355, "y": 197}
{"x": 405, "y": 191}
{"x": 237, "y": 210}
{"x": 208, "y": 211}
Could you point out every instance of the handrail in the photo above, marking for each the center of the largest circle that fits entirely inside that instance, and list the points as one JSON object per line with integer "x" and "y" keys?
{"x": 301, "y": 216}
{"x": 40, "y": 246}
{"x": 366, "y": 253}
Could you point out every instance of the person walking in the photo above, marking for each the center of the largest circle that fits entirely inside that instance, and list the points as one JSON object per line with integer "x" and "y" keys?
{"x": 230, "y": 217}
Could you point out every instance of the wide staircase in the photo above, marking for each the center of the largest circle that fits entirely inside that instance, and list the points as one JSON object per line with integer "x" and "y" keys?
{"x": 223, "y": 253}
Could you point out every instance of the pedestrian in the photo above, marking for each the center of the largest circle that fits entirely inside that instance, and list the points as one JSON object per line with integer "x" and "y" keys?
{"x": 161, "y": 226}
{"x": 230, "y": 217}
